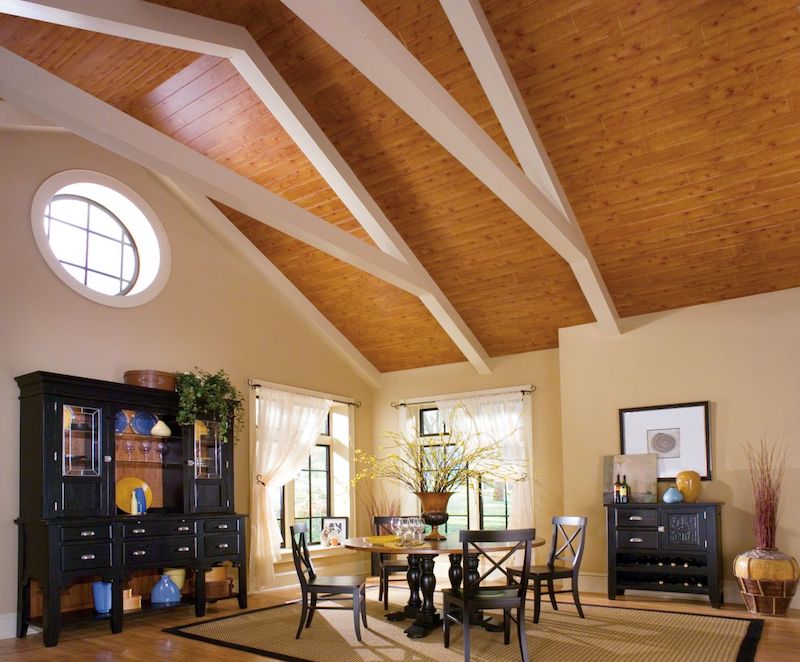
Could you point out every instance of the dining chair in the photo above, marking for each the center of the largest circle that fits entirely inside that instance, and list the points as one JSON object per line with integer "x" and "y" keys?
{"x": 476, "y": 546}
{"x": 387, "y": 564}
{"x": 563, "y": 562}
{"x": 331, "y": 587}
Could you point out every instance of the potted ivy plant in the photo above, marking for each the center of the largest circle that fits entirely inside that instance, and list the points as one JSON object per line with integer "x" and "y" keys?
{"x": 206, "y": 395}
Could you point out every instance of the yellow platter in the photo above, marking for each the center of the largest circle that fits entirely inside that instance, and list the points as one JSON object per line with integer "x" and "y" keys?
{"x": 124, "y": 489}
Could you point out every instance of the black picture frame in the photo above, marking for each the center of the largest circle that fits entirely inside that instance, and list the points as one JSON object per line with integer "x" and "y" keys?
{"x": 334, "y": 524}
{"x": 680, "y": 434}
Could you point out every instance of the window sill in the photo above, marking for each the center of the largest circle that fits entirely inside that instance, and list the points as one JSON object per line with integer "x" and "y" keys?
{"x": 318, "y": 552}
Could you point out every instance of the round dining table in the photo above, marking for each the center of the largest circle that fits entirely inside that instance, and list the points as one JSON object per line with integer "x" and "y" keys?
{"x": 421, "y": 579}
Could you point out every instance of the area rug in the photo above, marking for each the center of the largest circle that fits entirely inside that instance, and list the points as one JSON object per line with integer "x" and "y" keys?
{"x": 607, "y": 633}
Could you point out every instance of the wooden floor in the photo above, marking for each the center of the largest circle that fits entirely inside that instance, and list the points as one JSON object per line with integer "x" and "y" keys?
{"x": 143, "y": 639}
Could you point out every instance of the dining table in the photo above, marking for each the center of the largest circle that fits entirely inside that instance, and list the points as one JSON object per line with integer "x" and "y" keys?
{"x": 422, "y": 580}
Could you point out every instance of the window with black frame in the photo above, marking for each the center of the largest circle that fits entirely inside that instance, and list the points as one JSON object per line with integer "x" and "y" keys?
{"x": 312, "y": 494}
{"x": 431, "y": 423}
{"x": 493, "y": 501}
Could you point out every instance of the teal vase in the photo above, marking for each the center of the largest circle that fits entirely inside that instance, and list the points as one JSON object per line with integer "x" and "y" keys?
{"x": 165, "y": 591}
{"x": 672, "y": 495}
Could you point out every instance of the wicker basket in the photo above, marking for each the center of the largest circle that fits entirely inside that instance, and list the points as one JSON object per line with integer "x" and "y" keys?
{"x": 151, "y": 379}
{"x": 771, "y": 598}
{"x": 218, "y": 590}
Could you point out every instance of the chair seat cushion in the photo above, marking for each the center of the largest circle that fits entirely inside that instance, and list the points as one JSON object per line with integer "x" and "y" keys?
{"x": 556, "y": 572}
{"x": 333, "y": 583}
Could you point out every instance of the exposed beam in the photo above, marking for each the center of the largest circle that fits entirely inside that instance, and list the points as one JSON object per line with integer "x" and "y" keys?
{"x": 46, "y": 95}
{"x": 169, "y": 27}
{"x": 327, "y": 332}
{"x": 16, "y": 119}
{"x": 480, "y": 45}
{"x": 350, "y": 28}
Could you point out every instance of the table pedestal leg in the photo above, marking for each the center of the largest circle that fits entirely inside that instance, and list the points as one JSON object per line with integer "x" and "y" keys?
{"x": 428, "y": 618}
{"x": 412, "y": 606}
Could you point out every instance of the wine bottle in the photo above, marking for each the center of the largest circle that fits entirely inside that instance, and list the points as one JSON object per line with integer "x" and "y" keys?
{"x": 623, "y": 490}
{"x": 617, "y": 488}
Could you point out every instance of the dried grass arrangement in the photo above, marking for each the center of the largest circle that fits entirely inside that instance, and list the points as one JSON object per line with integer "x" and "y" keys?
{"x": 766, "y": 466}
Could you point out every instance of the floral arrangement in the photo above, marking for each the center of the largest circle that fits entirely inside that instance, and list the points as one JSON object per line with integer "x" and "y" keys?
{"x": 440, "y": 463}
{"x": 766, "y": 475}
{"x": 203, "y": 394}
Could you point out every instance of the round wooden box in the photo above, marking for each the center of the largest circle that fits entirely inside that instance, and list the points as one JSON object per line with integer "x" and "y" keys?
{"x": 151, "y": 379}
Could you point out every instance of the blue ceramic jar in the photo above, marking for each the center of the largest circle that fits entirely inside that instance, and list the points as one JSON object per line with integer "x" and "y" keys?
{"x": 165, "y": 591}
{"x": 101, "y": 595}
{"x": 672, "y": 495}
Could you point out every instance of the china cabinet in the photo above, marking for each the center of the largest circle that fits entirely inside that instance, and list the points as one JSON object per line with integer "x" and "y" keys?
{"x": 665, "y": 547}
{"x": 85, "y": 446}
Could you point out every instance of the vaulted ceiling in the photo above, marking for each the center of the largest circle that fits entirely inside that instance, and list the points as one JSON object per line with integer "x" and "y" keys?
{"x": 673, "y": 129}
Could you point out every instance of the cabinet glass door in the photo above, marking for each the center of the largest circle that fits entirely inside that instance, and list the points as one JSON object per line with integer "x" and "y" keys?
{"x": 80, "y": 437}
{"x": 207, "y": 450}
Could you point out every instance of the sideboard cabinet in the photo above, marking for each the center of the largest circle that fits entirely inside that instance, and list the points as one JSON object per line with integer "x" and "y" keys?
{"x": 665, "y": 547}
{"x": 82, "y": 443}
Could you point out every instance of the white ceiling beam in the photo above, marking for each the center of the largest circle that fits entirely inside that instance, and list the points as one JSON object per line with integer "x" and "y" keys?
{"x": 480, "y": 45}
{"x": 46, "y": 95}
{"x": 327, "y": 332}
{"x": 169, "y": 27}
{"x": 350, "y": 28}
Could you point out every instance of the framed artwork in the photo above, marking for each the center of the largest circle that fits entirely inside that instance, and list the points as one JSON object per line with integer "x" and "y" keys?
{"x": 334, "y": 531}
{"x": 677, "y": 434}
{"x": 641, "y": 472}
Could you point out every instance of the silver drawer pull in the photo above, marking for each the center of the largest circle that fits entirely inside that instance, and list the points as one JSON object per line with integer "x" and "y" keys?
{"x": 139, "y": 531}
{"x": 661, "y": 529}
{"x": 222, "y": 545}
{"x": 139, "y": 552}
{"x": 635, "y": 518}
{"x": 183, "y": 528}
{"x": 221, "y": 526}
{"x": 88, "y": 557}
{"x": 183, "y": 549}
{"x": 87, "y": 534}
{"x": 636, "y": 540}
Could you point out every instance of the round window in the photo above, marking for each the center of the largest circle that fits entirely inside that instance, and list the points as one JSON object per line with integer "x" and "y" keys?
{"x": 100, "y": 238}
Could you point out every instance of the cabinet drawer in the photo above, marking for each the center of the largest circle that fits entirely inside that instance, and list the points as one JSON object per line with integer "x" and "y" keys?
{"x": 144, "y": 529}
{"x": 78, "y": 557}
{"x": 221, "y": 545}
{"x": 75, "y": 533}
{"x": 637, "y": 517}
{"x": 221, "y": 525}
{"x": 633, "y": 539}
{"x": 159, "y": 551}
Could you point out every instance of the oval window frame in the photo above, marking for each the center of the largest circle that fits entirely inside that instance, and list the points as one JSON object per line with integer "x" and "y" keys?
{"x": 50, "y": 187}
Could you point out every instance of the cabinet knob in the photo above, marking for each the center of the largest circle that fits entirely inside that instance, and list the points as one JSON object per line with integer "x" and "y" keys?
{"x": 183, "y": 528}
{"x": 189, "y": 463}
{"x": 139, "y": 552}
{"x": 635, "y": 518}
{"x": 183, "y": 549}
{"x": 107, "y": 459}
{"x": 222, "y": 545}
{"x": 87, "y": 534}
{"x": 661, "y": 529}
{"x": 88, "y": 557}
{"x": 636, "y": 540}
{"x": 139, "y": 531}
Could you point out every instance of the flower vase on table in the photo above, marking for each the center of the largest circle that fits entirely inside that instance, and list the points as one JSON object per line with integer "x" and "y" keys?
{"x": 434, "y": 511}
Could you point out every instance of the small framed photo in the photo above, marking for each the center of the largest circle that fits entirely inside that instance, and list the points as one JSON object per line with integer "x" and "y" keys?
{"x": 334, "y": 531}
{"x": 678, "y": 434}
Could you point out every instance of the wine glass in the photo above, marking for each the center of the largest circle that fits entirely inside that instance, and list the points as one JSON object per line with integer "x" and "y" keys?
{"x": 419, "y": 528}
{"x": 146, "y": 445}
{"x": 161, "y": 447}
{"x": 128, "y": 447}
{"x": 394, "y": 525}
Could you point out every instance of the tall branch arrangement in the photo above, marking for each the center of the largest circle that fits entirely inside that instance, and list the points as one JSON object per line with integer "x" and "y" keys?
{"x": 443, "y": 462}
{"x": 766, "y": 475}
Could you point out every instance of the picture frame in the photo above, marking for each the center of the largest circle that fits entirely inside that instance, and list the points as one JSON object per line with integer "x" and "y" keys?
{"x": 679, "y": 434}
{"x": 641, "y": 472}
{"x": 334, "y": 531}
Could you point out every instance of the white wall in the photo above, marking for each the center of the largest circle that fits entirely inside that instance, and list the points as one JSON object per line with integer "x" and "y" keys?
{"x": 215, "y": 312}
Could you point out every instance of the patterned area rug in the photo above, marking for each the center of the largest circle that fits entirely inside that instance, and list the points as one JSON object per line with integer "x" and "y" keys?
{"x": 607, "y": 633}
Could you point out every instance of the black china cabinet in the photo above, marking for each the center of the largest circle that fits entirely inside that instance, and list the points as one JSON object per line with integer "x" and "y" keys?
{"x": 85, "y": 445}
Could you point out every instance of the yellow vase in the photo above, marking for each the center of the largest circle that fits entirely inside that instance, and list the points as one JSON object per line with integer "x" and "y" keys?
{"x": 688, "y": 482}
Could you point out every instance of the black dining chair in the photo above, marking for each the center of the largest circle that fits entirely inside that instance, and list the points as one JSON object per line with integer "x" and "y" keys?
{"x": 386, "y": 564}
{"x": 473, "y": 597}
{"x": 332, "y": 587}
{"x": 563, "y": 562}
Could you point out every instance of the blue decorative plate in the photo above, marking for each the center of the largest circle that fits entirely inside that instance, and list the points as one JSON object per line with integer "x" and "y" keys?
{"x": 143, "y": 422}
{"x": 120, "y": 422}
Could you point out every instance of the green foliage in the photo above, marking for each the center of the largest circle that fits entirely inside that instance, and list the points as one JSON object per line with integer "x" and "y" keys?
{"x": 209, "y": 396}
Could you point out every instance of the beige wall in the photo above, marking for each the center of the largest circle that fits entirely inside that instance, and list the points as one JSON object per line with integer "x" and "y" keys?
{"x": 741, "y": 355}
{"x": 537, "y": 368}
{"x": 215, "y": 312}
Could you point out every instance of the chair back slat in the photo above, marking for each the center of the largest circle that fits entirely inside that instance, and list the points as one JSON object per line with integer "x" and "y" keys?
{"x": 569, "y": 536}
{"x": 300, "y": 555}
{"x": 471, "y": 546}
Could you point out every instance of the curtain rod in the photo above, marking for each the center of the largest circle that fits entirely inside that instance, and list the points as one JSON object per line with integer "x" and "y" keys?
{"x": 528, "y": 389}
{"x": 254, "y": 384}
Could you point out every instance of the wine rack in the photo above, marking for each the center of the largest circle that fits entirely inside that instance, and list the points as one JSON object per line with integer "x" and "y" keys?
{"x": 664, "y": 547}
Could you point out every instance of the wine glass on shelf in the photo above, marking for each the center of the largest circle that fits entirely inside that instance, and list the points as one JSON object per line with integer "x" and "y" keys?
{"x": 161, "y": 448}
{"x": 146, "y": 445}
{"x": 128, "y": 447}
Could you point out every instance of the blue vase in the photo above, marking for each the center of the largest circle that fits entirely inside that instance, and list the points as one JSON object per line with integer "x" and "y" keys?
{"x": 165, "y": 591}
{"x": 101, "y": 594}
{"x": 672, "y": 495}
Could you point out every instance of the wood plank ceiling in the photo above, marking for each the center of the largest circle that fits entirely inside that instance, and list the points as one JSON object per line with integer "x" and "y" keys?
{"x": 673, "y": 128}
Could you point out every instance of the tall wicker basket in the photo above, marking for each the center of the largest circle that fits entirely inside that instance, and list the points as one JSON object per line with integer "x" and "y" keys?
{"x": 767, "y": 580}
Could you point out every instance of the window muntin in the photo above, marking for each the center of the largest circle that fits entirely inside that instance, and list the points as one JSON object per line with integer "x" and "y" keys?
{"x": 91, "y": 243}
{"x": 431, "y": 423}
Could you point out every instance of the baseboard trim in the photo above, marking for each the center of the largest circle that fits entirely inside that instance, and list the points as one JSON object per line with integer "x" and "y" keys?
{"x": 8, "y": 626}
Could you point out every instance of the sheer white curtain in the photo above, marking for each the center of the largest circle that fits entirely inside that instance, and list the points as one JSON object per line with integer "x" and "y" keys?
{"x": 287, "y": 427}
{"x": 501, "y": 416}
